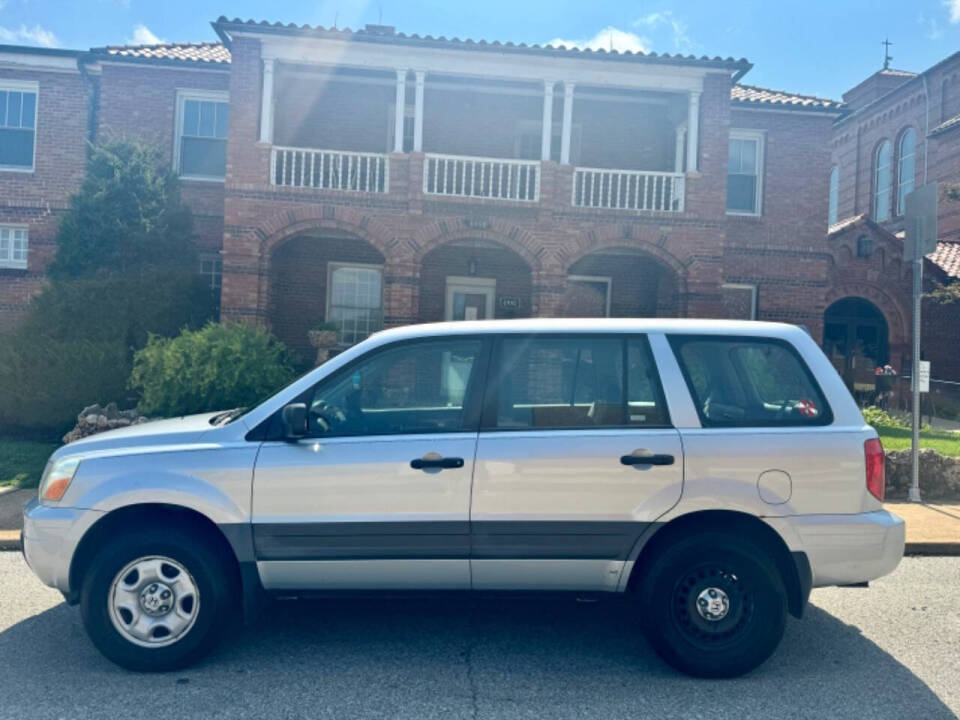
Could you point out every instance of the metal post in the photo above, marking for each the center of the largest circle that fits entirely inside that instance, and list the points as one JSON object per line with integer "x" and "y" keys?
{"x": 914, "y": 495}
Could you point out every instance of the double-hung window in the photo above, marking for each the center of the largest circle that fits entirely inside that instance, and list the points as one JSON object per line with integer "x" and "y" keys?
{"x": 18, "y": 125}
{"x": 201, "y": 148}
{"x": 745, "y": 173}
{"x": 881, "y": 182}
{"x": 355, "y": 301}
{"x": 13, "y": 247}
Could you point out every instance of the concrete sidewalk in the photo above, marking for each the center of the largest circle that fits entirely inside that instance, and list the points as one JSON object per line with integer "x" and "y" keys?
{"x": 932, "y": 529}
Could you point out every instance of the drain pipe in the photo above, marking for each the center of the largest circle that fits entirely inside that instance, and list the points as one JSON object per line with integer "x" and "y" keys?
{"x": 926, "y": 134}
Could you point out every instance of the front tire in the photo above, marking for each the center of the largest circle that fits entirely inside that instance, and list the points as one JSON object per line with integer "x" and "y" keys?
{"x": 713, "y": 605}
{"x": 157, "y": 600}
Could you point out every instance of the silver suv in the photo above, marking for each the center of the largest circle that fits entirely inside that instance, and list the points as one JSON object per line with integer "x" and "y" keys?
{"x": 712, "y": 472}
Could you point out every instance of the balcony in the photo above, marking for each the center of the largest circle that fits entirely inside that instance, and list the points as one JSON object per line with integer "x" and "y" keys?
{"x": 474, "y": 177}
{"x": 628, "y": 190}
{"x": 329, "y": 170}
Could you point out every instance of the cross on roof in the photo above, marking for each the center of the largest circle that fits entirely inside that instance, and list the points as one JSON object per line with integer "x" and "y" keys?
{"x": 887, "y": 57}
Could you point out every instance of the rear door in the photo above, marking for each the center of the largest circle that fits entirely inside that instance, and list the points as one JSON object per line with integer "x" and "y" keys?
{"x": 575, "y": 458}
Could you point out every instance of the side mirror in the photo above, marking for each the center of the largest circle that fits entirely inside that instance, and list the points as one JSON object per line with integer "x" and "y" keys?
{"x": 294, "y": 418}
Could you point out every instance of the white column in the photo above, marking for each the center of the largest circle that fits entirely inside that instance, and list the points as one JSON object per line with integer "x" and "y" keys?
{"x": 266, "y": 103}
{"x": 418, "y": 112}
{"x": 547, "y": 135}
{"x": 678, "y": 149}
{"x": 567, "y": 123}
{"x": 693, "y": 131}
{"x": 400, "y": 111}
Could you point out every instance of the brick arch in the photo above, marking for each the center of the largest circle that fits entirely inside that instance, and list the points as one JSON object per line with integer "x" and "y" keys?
{"x": 898, "y": 327}
{"x": 510, "y": 237}
{"x": 280, "y": 227}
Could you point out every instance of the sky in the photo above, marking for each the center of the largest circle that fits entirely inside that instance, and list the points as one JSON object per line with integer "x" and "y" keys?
{"x": 818, "y": 47}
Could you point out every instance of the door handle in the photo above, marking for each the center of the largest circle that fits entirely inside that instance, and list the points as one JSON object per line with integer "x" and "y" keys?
{"x": 442, "y": 463}
{"x": 654, "y": 459}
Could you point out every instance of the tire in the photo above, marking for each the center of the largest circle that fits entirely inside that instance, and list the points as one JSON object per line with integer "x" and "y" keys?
{"x": 706, "y": 633}
{"x": 173, "y": 583}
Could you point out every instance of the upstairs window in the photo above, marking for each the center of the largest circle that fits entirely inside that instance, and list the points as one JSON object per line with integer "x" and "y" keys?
{"x": 18, "y": 125}
{"x": 13, "y": 247}
{"x": 906, "y": 169}
{"x": 201, "y": 150}
{"x": 881, "y": 183}
{"x": 745, "y": 173}
{"x": 834, "y": 196}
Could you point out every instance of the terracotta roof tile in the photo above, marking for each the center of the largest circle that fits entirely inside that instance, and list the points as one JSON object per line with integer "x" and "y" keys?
{"x": 947, "y": 256}
{"x": 753, "y": 95}
{"x": 205, "y": 52}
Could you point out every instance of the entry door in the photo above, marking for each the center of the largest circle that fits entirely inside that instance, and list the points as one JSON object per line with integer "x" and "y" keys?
{"x": 470, "y": 298}
{"x": 379, "y": 495}
{"x": 576, "y": 458}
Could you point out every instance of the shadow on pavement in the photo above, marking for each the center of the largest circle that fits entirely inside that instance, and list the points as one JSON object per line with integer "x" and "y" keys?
{"x": 390, "y": 658}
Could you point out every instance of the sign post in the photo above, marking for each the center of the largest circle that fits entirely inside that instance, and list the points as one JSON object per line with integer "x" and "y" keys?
{"x": 920, "y": 220}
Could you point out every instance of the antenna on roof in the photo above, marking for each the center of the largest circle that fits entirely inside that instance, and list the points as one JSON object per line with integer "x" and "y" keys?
{"x": 611, "y": 40}
{"x": 887, "y": 57}
{"x": 336, "y": 17}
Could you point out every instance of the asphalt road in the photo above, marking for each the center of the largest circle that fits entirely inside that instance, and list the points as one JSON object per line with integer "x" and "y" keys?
{"x": 890, "y": 651}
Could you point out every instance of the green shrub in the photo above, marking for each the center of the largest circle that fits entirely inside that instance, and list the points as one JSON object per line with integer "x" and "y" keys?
{"x": 881, "y": 418}
{"x": 214, "y": 368}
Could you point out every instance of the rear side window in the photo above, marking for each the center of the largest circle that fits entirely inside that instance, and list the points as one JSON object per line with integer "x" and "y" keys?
{"x": 749, "y": 382}
{"x": 576, "y": 382}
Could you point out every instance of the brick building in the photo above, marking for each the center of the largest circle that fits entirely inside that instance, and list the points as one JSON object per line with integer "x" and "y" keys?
{"x": 372, "y": 178}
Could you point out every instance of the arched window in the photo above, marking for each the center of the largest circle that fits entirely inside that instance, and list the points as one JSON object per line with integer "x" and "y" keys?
{"x": 881, "y": 183}
{"x": 906, "y": 167}
{"x": 834, "y": 195}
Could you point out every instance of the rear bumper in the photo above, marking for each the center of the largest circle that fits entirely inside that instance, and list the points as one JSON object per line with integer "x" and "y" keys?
{"x": 845, "y": 549}
{"x": 49, "y": 538}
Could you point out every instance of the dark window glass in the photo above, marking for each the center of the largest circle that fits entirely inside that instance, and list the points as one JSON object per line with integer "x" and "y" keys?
{"x": 16, "y": 147}
{"x": 749, "y": 382}
{"x": 14, "y": 104}
{"x": 560, "y": 383}
{"x": 191, "y": 117}
{"x": 203, "y": 157}
{"x": 203, "y": 146}
{"x": 18, "y": 112}
{"x": 29, "y": 110}
{"x": 414, "y": 388}
{"x": 645, "y": 403}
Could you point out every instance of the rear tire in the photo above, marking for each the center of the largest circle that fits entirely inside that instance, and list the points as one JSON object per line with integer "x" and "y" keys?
{"x": 157, "y": 600}
{"x": 713, "y": 605}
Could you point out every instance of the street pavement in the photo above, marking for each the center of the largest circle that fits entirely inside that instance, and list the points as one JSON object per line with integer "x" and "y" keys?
{"x": 889, "y": 651}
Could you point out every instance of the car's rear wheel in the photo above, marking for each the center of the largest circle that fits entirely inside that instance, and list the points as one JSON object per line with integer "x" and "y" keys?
{"x": 157, "y": 600}
{"x": 713, "y": 604}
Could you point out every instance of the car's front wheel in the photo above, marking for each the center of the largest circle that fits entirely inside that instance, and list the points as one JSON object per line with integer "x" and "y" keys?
{"x": 157, "y": 599}
{"x": 713, "y": 604}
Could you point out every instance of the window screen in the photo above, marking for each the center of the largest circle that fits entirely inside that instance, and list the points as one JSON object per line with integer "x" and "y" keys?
{"x": 749, "y": 382}
{"x": 203, "y": 140}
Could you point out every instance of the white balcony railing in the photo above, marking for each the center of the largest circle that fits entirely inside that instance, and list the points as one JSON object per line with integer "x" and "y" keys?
{"x": 628, "y": 190}
{"x": 478, "y": 177}
{"x": 329, "y": 170}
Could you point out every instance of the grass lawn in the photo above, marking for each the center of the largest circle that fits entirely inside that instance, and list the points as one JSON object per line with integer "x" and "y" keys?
{"x": 22, "y": 461}
{"x": 943, "y": 441}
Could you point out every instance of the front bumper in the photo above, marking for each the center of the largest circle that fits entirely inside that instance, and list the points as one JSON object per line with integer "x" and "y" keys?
{"x": 49, "y": 539}
{"x": 845, "y": 549}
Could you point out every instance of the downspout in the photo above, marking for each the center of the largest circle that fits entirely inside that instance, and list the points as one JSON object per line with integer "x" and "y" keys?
{"x": 926, "y": 135}
{"x": 93, "y": 100}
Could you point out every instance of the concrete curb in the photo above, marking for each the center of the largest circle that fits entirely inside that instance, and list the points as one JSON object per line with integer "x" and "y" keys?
{"x": 943, "y": 549}
{"x": 9, "y": 540}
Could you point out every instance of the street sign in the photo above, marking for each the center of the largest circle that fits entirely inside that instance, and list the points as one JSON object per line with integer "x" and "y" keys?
{"x": 924, "y": 376}
{"x": 920, "y": 222}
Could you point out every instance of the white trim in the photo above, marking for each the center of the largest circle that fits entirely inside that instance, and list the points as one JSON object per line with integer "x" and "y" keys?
{"x": 399, "y": 110}
{"x": 25, "y": 86}
{"x": 184, "y": 94}
{"x": 420, "y": 79}
{"x": 693, "y": 131}
{"x": 760, "y": 137}
{"x": 267, "y": 107}
{"x": 546, "y": 121}
{"x": 331, "y": 267}
{"x": 597, "y": 278}
{"x": 753, "y": 295}
{"x": 31, "y": 61}
{"x": 454, "y": 283}
{"x": 10, "y": 263}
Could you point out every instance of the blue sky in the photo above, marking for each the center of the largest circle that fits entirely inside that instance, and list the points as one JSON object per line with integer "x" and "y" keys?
{"x": 820, "y": 47}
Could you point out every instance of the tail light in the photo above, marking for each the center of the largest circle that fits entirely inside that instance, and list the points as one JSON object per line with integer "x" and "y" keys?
{"x": 876, "y": 467}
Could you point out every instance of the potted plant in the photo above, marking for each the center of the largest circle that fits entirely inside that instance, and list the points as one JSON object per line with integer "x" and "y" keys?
{"x": 325, "y": 337}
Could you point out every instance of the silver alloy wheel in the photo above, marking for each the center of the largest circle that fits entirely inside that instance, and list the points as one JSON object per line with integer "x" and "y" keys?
{"x": 153, "y": 601}
{"x": 713, "y": 604}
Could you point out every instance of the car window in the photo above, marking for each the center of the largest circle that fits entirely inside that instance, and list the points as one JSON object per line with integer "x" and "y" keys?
{"x": 412, "y": 388}
{"x": 575, "y": 383}
{"x": 744, "y": 382}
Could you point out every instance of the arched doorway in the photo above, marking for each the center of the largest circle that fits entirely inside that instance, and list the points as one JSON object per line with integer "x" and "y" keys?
{"x": 856, "y": 338}
{"x": 325, "y": 276}
{"x": 620, "y": 282}
{"x": 473, "y": 280}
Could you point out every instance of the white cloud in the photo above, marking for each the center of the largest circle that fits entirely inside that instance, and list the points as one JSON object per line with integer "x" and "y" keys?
{"x": 619, "y": 40}
{"x": 954, "y": 7}
{"x": 143, "y": 36}
{"x": 677, "y": 28}
{"x": 36, "y": 35}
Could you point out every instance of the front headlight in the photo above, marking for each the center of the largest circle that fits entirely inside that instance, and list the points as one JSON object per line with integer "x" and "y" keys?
{"x": 56, "y": 478}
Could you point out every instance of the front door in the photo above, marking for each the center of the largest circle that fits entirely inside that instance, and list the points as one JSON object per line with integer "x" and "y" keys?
{"x": 379, "y": 495}
{"x": 576, "y": 458}
{"x": 470, "y": 298}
